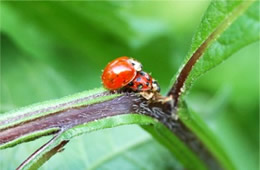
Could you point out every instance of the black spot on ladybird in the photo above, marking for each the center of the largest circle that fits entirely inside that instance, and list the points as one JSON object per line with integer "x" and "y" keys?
{"x": 131, "y": 84}
{"x": 142, "y": 73}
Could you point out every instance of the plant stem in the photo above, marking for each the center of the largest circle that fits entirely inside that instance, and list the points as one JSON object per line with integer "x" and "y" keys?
{"x": 126, "y": 103}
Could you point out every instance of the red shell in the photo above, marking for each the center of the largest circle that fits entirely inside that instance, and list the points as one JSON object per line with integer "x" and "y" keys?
{"x": 118, "y": 73}
{"x": 142, "y": 82}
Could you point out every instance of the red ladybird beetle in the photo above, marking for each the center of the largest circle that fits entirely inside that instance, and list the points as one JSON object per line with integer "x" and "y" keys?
{"x": 120, "y": 72}
{"x": 144, "y": 82}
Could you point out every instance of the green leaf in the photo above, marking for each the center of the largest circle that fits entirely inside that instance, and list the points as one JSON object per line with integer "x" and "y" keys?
{"x": 226, "y": 27}
{"x": 243, "y": 30}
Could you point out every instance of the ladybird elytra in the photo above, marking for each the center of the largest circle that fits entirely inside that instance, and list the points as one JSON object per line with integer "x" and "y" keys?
{"x": 120, "y": 72}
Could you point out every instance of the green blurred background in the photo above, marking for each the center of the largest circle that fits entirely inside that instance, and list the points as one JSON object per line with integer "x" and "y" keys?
{"x": 53, "y": 49}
